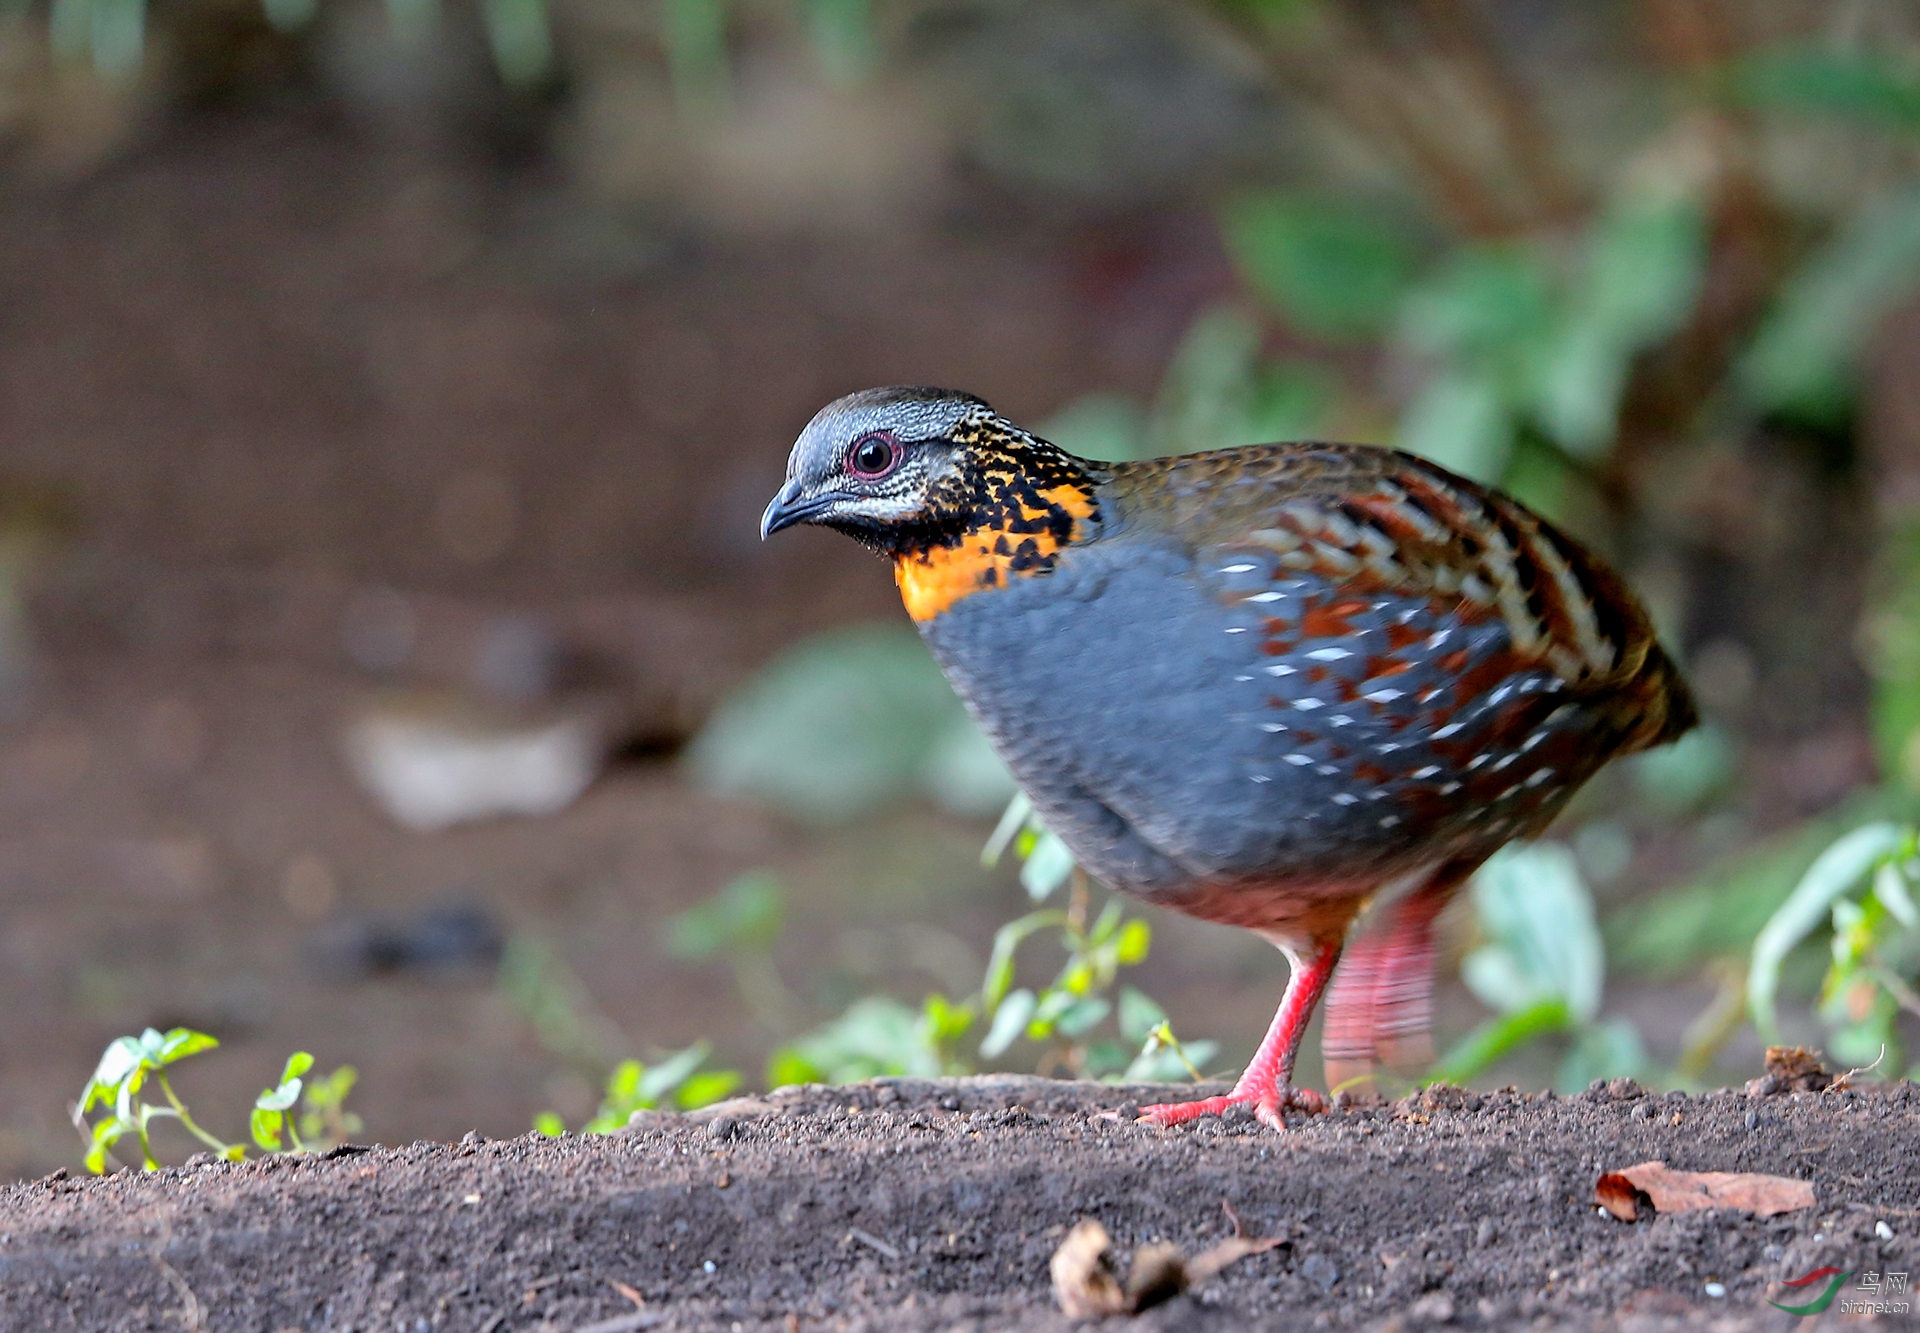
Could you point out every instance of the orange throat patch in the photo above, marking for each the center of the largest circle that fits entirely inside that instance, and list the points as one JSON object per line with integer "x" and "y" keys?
{"x": 993, "y": 554}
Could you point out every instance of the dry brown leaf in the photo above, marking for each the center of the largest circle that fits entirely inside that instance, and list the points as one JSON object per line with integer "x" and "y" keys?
{"x": 1086, "y": 1286}
{"x": 1671, "y": 1191}
{"x": 1083, "y": 1277}
{"x": 1230, "y": 1251}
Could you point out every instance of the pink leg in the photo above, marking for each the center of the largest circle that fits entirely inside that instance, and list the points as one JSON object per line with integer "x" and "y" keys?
{"x": 1380, "y": 1004}
{"x": 1265, "y": 1083}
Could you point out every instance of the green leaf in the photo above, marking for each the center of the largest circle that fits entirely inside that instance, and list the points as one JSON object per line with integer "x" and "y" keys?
{"x": 265, "y": 1125}
{"x": 1836, "y": 871}
{"x": 1006, "y": 941}
{"x": 1542, "y": 940}
{"x": 833, "y": 729}
{"x": 1012, "y": 820}
{"x": 285, "y": 1093}
{"x": 1083, "y": 1015}
{"x": 122, "y": 1057}
{"x": 1010, "y": 1019}
{"x": 1862, "y": 85}
{"x": 1136, "y": 937}
{"x": 1891, "y": 886}
{"x": 747, "y": 915}
{"x": 1139, "y": 1015}
{"x": 280, "y": 1098}
{"x": 1719, "y": 913}
{"x": 1336, "y": 268}
{"x": 1486, "y": 305}
{"x": 1047, "y": 867}
{"x": 1801, "y": 358}
{"x": 1461, "y": 421}
{"x": 550, "y": 1124}
{"x": 662, "y": 1078}
{"x": 876, "y": 1036}
{"x": 1644, "y": 266}
{"x": 707, "y": 1087}
{"x": 1499, "y": 1037}
{"x": 178, "y": 1045}
{"x": 787, "y": 1067}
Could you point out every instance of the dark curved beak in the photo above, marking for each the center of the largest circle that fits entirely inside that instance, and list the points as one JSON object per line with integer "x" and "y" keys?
{"x": 790, "y": 507}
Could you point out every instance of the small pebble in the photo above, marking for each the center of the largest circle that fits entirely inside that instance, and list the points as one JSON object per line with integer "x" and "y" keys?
{"x": 1321, "y": 1271}
{"x": 1753, "y": 1120}
{"x": 1883, "y": 1231}
{"x": 1716, "y": 1291}
{"x": 1643, "y": 1111}
{"x": 949, "y": 1103}
{"x": 1129, "y": 1113}
{"x": 723, "y": 1127}
{"x": 1486, "y": 1233}
{"x": 708, "y": 1266}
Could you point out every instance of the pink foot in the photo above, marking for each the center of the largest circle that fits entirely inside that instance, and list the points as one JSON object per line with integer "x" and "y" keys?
{"x": 1269, "y": 1108}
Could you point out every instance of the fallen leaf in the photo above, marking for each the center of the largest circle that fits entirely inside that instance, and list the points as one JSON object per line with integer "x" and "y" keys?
{"x": 1671, "y": 1191}
{"x": 1087, "y": 1287}
{"x": 1083, "y": 1279}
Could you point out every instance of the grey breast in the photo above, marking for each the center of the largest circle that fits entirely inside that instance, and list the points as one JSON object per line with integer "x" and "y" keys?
{"x": 1129, "y": 697}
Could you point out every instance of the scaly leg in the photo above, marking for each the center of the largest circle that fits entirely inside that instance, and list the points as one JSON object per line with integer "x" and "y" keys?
{"x": 1380, "y": 1003}
{"x": 1266, "y": 1083}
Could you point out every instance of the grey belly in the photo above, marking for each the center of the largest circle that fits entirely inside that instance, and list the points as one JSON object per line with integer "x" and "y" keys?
{"x": 1132, "y": 705}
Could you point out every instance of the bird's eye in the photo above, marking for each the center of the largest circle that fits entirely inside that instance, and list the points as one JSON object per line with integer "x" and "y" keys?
{"x": 873, "y": 456}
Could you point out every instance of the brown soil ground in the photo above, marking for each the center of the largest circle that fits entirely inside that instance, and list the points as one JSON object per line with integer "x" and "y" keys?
{"x": 905, "y": 1204}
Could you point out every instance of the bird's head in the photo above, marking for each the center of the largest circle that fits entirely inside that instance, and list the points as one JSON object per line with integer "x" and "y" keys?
{"x": 909, "y": 470}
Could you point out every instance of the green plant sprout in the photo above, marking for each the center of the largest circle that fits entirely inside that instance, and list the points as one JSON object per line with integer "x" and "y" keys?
{"x": 879, "y": 1036}
{"x": 633, "y": 1086}
{"x": 1863, "y": 886}
{"x": 131, "y": 1064}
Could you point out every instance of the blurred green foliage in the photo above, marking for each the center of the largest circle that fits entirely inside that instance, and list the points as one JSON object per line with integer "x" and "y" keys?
{"x": 1863, "y": 886}
{"x": 845, "y": 723}
{"x": 1540, "y": 968}
{"x": 306, "y": 1114}
{"x": 633, "y": 1086}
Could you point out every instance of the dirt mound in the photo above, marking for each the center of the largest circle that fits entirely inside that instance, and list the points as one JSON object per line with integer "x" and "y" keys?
{"x": 910, "y": 1204}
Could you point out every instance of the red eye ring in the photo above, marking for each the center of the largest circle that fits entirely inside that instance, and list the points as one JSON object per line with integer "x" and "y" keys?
{"x": 873, "y": 455}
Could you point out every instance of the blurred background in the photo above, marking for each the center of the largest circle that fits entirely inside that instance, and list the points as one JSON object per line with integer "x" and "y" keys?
{"x": 389, "y": 390}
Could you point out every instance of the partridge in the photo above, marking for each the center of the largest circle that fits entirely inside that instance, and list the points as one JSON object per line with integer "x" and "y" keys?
{"x": 1265, "y": 686}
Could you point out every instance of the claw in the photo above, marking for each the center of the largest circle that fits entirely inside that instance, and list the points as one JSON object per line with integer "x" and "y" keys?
{"x": 1269, "y": 1108}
